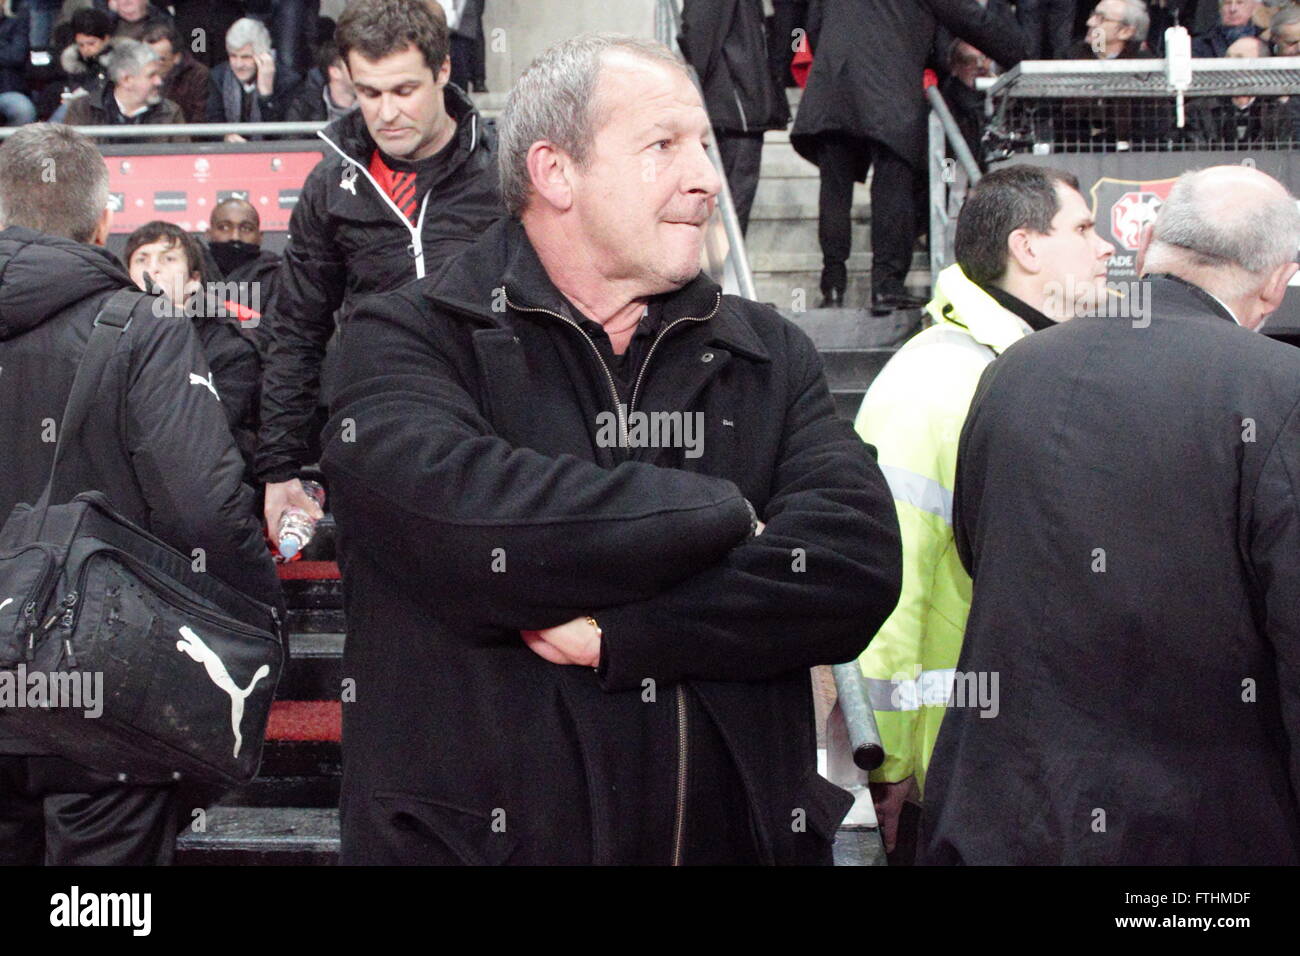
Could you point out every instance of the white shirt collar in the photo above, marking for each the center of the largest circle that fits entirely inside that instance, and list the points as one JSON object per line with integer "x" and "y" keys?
{"x": 1224, "y": 304}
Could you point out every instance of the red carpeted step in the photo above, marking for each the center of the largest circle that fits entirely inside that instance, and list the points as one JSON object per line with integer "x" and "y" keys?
{"x": 305, "y": 720}
{"x": 308, "y": 571}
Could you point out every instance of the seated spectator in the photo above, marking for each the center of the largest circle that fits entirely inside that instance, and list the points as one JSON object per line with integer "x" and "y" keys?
{"x": 131, "y": 97}
{"x": 1221, "y": 121}
{"x": 164, "y": 256}
{"x": 16, "y": 108}
{"x": 1236, "y": 20}
{"x": 235, "y": 245}
{"x": 185, "y": 79}
{"x": 131, "y": 18}
{"x": 1284, "y": 31}
{"x": 83, "y": 62}
{"x": 326, "y": 93}
{"x": 248, "y": 88}
{"x": 965, "y": 65}
{"x": 1117, "y": 30}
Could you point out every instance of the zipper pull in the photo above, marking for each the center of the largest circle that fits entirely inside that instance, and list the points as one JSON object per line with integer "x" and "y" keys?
{"x": 67, "y": 646}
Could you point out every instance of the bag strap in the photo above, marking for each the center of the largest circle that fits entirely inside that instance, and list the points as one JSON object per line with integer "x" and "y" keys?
{"x": 113, "y": 319}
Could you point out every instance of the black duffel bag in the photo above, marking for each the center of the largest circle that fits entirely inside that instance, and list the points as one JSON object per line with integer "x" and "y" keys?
{"x": 188, "y": 665}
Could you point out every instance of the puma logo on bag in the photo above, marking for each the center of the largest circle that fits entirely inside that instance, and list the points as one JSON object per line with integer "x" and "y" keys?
{"x": 193, "y": 646}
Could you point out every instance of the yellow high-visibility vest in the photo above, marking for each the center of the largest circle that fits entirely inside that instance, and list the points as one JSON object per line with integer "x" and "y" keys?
{"x": 913, "y": 414}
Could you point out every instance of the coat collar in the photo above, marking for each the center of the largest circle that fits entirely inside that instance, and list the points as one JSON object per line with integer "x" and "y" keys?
{"x": 504, "y": 262}
{"x": 959, "y": 301}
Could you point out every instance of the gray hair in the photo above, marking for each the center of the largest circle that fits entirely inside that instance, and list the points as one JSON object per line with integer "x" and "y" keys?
{"x": 1136, "y": 16}
{"x": 68, "y": 203}
{"x": 552, "y": 101}
{"x": 247, "y": 30}
{"x": 1283, "y": 18}
{"x": 129, "y": 58}
{"x": 1213, "y": 233}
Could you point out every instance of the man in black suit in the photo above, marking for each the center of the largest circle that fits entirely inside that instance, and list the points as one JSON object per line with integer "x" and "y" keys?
{"x": 1128, "y": 505}
{"x": 865, "y": 107}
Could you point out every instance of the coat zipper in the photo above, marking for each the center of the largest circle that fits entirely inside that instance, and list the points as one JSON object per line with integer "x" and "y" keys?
{"x": 659, "y": 338}
{"x": 679, "y": 821}
{"x": 416, "y": 245}
{"x": 744, "y": 124}
{"x": 609, "y": 376}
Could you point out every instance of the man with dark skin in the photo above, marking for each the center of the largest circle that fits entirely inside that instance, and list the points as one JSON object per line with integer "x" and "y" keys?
{"x": 235, "y": 220}
{"x": 235, "y": 243}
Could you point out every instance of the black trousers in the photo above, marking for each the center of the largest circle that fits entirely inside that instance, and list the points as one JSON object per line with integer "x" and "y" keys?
{"x": 897, "y": 207}
{"x": 742, "y": 155}
{"x": 1048, "y": 26}
{"x": 59, "y": 813}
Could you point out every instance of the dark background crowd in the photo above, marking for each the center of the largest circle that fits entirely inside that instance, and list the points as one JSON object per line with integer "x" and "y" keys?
{"x": 212, "y": 61}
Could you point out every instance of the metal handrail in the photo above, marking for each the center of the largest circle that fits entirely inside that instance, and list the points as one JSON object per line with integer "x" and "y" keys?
{"x": 306, "y": 130}
{"x": 668, "y": 26}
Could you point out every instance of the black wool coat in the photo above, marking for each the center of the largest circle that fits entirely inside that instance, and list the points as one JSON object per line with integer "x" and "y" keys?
{"x": 475, "y": 499}
{"x": 1126, "y": 502}
{"x": 868, "y": 61}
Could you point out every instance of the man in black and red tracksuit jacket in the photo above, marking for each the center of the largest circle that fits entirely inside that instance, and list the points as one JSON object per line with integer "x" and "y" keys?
{"x": 408, "y": 179}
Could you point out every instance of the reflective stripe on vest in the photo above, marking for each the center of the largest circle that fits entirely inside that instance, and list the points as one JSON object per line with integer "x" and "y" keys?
{"x": 919, "y": 491}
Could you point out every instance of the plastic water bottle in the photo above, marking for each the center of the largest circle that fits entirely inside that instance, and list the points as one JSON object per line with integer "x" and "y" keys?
{"x": 296, "y": 525}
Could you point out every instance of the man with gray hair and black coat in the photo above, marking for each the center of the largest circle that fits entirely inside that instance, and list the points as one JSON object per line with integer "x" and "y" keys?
{"x": 248, "y": 88}
{"x": 1128, "y": 505}
{"x": 132, "y": 97}
{"x": 575, "y": 641}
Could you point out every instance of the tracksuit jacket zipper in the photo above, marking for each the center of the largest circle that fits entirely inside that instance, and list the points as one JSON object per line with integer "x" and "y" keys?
{"x": 679, "y": 817}
{"x": 416, "y": 245}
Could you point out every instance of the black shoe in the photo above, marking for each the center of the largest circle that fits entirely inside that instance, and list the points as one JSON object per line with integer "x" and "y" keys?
{"x": 832, "y": 299}
{"x": 883, "y": 303}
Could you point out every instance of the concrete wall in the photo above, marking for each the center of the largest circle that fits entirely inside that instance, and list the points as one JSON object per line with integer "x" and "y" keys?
{"x": 518, "y": 30}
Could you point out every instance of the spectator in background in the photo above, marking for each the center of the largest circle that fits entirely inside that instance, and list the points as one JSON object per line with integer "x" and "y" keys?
{"x": 408, "y": 181}
{"x": 1237, "y": 120}
{"x": 865, "y": 108}
{"x": 185, "y": 79}
{"x": 83, "y": 61}
{"x": 1117, "y": 30}
{"x": 327, "y": 93}
{"x": 248, "y": 88}
{"x": 965, "y": 65}
{"x": 235, "y": 244}
{"x": 1235, "y": 21}
{"x": 465, "y": 21}
{"x": 132, "y": 17}
{"x": 1284, "y": 32}
{"x": 1048, "y": 25}
{"x": 726, "y": 42}
{"x": 131, "y": 97}
{"x": 16, "y": 107}
{"x": 166, "y": 256}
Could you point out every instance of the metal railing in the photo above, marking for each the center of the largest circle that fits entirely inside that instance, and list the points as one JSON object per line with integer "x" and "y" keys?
{"x": 737, "y": 277}
{"x": 145, "y": 132}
